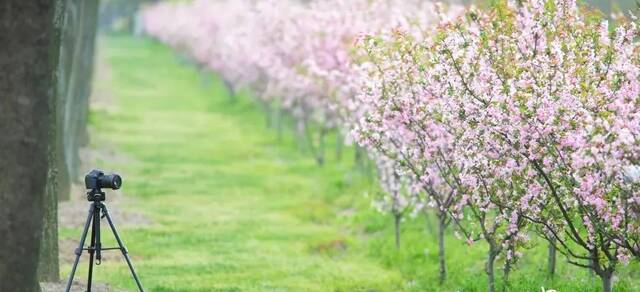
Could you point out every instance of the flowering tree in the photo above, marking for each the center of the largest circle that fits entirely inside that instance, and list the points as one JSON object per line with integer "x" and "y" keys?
{"x": 310, "y": 69}
{"x": 551, "y": 96}
{"x": 396, "y": 199}
{"x": 391, "y": 117}
{"x": 402, "y": 119}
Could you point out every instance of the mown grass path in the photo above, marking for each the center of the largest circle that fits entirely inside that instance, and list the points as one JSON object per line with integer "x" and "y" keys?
{"x": 232, "y": 209}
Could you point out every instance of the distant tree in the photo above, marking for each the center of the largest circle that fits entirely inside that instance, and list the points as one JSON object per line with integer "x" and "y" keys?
{"x": 74, "y": 30}
{"x": 74, "y": 87}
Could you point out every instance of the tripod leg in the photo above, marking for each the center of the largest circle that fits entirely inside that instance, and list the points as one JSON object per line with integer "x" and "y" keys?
{"x": 123, "y": 249}
{"x": 78, "y": 250}
{"x": 92, "y": 248}
{"x": 96, "y": 226}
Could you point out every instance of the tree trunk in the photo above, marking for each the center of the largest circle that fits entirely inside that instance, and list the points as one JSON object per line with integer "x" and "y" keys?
{"x": 442, "y": 217}
{"x": 505, "y": 278}
{"x": 279, "y": 122}
{"x": 74, "y": 76}
{"x": 607, "y": 283}
{"x": 397, "y": 219}
{"x": 320, "y": 152}
{"x": 491, "y": 283}
{"x": 300, "y": 134}
{"x": 48, "y": 265}
{"x": 61, "y": 179}
{"x": 74, "y": 104}
{"x": 310, "y": 144}
{"x": 29, "y": 55}
{"x": 81, "y": 134}
{"x": 75, "y": 29}
{"x": 63, "y": 92}
{"x": 230, "y": 91}
{"x": 551, "y": 260}
{"x": 267, "y": 113}
{"x": 339, "y": 146}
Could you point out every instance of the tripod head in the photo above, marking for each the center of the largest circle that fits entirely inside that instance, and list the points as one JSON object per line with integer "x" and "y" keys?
{"x": 96, "y": 195}
{"x": 96, "y": 180}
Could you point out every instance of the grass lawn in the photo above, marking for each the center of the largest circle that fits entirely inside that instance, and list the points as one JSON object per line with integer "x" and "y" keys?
{"x": 233, "y": 209}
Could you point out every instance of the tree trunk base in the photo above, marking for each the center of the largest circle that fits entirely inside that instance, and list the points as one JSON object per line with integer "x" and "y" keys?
{"x": 397, "y": 219}
{"x": 441, "y": 246}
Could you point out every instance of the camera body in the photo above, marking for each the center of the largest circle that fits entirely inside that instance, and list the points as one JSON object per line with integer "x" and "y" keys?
{"x": 96, "y": 180}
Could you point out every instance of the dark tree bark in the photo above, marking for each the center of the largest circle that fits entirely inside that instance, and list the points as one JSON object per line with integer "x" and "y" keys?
{"x": 230, "y": 91}
{"x": 74, "y": 33}
{"x": 63, "y": 91}
{"x": 28, "y": 59}
{"x": 397, "y": 219}
{"x": 551, "y": 260}
{"x": 279, "y": 122}
{"x": 48, "y": 265}
{"x": 74, "y": 88}
{"x": 607, "y": 284}
{"x": 604, "y": 270}
{"x": 490, "y": 270}
{"x": 505, "y": 276}
{"x": 321, "y": 140}
{"x": 316, "y": 151}
{"x": 442, "y": 225}
{"x": 90, "y": 24}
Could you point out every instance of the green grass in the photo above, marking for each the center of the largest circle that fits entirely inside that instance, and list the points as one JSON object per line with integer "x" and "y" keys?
{"x": 236, "y": 210}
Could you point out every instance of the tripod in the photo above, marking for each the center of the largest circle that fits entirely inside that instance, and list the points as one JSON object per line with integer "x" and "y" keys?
{"x": 96, "y": 196}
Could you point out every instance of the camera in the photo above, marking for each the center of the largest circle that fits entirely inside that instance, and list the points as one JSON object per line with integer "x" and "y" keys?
{"x": 97, "y": 180}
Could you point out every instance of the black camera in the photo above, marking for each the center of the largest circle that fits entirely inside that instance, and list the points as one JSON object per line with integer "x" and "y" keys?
{"x": 97, "y": 180}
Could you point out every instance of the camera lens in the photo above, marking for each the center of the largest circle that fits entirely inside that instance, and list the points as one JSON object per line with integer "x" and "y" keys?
{"x": 112, "y": 181}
